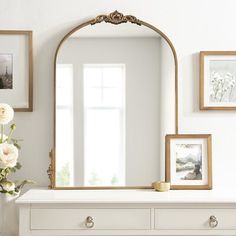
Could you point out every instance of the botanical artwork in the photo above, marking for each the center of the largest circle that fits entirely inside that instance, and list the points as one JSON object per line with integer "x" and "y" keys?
{"x": 222, "y": 81}
{"x": 6, "y": 68}
{"x": 188, "y": 162}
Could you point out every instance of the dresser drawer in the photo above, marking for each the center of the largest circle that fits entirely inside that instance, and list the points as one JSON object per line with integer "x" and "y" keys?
{"x": 102, "y": 218}
{"x": 195, "y": 219}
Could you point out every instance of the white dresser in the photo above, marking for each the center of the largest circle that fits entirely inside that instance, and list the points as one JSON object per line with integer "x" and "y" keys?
{"x": 126, "y": 212}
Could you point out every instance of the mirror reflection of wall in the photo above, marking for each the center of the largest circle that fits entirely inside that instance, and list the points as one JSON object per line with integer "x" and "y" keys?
{"x": 108, "y": 110}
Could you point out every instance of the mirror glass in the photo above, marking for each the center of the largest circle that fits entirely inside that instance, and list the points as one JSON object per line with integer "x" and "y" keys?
{"x": 115, "y": 101}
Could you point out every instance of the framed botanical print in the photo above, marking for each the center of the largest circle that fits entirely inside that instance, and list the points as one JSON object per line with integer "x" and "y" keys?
{"x": 188, "y": 161}
{"x": 218, "y": 80}
{"x": 16, "y": 69}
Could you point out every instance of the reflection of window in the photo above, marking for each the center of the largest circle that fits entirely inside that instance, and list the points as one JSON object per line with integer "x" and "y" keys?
{"x": 104, "y": 113}
{"x": 64, "y": 124}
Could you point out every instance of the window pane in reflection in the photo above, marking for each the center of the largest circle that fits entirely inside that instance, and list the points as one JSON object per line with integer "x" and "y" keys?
{"x": 104, "y": 125}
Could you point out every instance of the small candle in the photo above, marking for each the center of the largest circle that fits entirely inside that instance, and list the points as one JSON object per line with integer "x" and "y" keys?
{"x": 161, "y": 186}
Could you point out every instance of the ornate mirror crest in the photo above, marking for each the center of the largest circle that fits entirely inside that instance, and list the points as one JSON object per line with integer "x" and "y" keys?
{"x": 116, "y": 18}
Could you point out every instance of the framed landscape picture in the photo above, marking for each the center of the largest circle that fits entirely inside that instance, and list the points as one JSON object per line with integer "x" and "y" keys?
{"x": 16, "y": 69}
{"x": 218, "y": 80}
{"x": 188, "y": 161}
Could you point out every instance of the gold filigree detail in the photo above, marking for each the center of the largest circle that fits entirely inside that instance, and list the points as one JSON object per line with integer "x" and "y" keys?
{"x": 116, "y": 18}
{"x": 50, "y": 170}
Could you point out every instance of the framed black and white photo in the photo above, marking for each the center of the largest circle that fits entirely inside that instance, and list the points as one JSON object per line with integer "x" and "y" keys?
{"x": 6, "y": 68}
{"x": 218, "y": 80}
{"x": 16, "y": 69}
{"x": 188, "y": 161}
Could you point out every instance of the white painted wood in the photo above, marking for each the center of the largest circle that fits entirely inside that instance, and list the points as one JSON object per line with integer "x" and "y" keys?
{"x": 24, "y": 220}
{"x": 132, "y": 232}
{"x": 126, "y": 212}
{"x": 103, "y": 218}
{"x": 194, "y": 218}
{"x": 129, "y": 196}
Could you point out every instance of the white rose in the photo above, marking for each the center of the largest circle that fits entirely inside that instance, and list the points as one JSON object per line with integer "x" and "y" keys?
{"x": 8, "y": 155}
{"x": 6, "y": 113}
{"x": 8, "y": 186}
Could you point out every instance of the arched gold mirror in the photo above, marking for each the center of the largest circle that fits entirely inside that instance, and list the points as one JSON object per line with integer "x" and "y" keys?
{"x": 116, "y": 97}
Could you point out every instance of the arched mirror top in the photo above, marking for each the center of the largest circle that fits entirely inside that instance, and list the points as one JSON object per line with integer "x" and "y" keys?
{"x": 117, "y": 18}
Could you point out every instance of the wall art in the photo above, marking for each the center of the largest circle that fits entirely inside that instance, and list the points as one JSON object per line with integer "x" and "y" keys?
{"x": 188, "y": 161}
{"x": 16, "y": 69}
{"x": 218, "y": 80}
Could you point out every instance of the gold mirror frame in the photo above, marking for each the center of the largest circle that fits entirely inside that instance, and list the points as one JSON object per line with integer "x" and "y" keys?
{"x": 115, "y": 18}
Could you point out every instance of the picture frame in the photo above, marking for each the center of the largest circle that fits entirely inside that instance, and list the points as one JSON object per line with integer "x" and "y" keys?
{"x": 188, "y": 162}
{"x": 16, "y": 69}
{"x": 218, "y": 80}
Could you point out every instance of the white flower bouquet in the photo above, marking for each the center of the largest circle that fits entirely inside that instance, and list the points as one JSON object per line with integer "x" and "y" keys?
{"x": 9, "y": 154}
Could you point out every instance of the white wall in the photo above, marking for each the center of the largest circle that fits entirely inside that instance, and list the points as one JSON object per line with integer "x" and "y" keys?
{"x": 192, "y": 25}
{"x": 142, "y": 59}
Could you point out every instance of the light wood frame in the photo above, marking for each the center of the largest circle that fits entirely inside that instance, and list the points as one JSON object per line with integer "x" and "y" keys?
{"x": 115, "y": 18}
{"x": 209, "y": 160}
{"x": 29, "y": 34}
{"x": 203, "y": 54}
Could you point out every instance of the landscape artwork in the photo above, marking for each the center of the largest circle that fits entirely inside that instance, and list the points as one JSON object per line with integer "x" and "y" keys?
{"x": 222, "y": 81}
{"x": 188, "y": 162}
{"x": 6, "y": 71}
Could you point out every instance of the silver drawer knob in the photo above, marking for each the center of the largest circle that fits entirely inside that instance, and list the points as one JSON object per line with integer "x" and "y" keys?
{"x": 89, "y": 223}
{"x": 213, "y": 222}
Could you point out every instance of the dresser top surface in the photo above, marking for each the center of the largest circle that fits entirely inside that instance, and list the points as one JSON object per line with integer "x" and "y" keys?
{"x": 44, "y": 196}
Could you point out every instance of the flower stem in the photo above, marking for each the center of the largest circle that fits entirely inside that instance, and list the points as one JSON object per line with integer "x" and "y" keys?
{"x": 2, "y": 130}
{"x": 9, "y": 136}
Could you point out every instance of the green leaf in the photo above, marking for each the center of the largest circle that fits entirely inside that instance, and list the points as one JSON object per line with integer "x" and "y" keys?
{"x": 18, "y": 165}
{"x": 8, "y": 170}
{"x": 13, "y": 126}
{"x": 17, "y": 145}
{"x": 23, "y": 183}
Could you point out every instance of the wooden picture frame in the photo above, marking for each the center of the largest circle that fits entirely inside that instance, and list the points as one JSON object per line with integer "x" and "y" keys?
{"x": 16, "y": 69}
{"x": 217, "y": 80}
{"x": 189, "y": 161}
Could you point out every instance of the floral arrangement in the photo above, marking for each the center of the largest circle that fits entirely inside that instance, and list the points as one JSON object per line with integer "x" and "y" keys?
{"x": 9, "y": 152}
{"x": 222, "y": 87}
